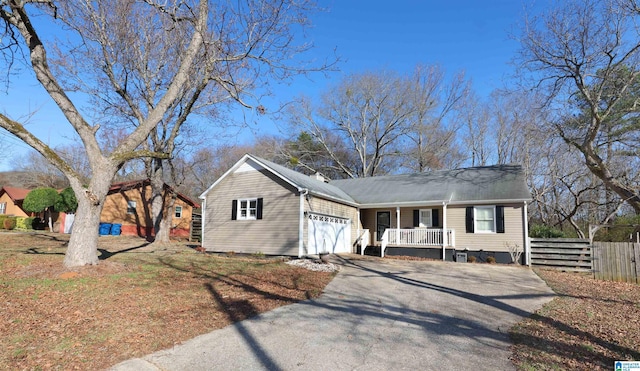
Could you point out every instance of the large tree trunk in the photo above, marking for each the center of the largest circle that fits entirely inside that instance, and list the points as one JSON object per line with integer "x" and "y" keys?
{"x": 164, "y": 234}
{"x": 83, "y": 244}
{"x": 158, "y": 204}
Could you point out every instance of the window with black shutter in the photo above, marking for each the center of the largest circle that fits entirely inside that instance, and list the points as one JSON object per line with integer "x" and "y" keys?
{"x": 469, "y": 222}
{"x": 247, "y": 209}
{"x": 500, "y": 219}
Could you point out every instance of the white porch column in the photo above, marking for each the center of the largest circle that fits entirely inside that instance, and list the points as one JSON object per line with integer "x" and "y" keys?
{"x": 358, "y": 236}
{"x": 398, "y": 224}
{"x": 527, "y": 249}
{"x": 445, "y": 235}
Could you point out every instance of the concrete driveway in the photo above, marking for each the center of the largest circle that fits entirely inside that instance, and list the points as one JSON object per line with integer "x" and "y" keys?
{"x": 376, "y": 315}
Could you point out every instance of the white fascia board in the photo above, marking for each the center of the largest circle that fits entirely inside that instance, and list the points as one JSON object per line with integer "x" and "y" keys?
{"x": 490, "y": 202}
{"x": 439, "y": 203}
{"x": 402, "y": 204}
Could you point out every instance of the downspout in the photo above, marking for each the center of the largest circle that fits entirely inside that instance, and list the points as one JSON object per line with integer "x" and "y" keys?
{"x": 527, "y": 248}
{"x": 303, "y": 193}
{"x": 445, "y": 235}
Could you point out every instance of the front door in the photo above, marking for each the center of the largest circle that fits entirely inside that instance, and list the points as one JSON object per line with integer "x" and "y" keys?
{"x": 383, "y": 221}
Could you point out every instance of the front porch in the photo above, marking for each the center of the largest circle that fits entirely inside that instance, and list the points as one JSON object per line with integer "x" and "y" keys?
{"x": 408, "y": 237}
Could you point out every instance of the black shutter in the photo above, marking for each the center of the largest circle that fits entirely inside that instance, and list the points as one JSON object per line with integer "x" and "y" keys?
{"x": 469, "y": 219}
{"x": 259, "y": 209}
{"x": 500, "y": 219}
{"x": 234, "y": 209}
{"x": 435, "y": 217}
{"x": 416, "y": 218}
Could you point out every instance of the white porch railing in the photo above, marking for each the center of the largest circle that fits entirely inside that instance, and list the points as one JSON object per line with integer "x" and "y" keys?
{"x": 420, "y": 237}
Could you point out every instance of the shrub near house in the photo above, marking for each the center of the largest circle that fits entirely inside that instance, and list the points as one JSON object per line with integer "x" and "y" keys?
{"x": 17, "y": 222}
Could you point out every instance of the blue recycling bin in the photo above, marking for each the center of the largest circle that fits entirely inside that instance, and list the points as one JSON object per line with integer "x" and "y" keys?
{"x": 116, "y": 229}
{"x": 105, "y": 229}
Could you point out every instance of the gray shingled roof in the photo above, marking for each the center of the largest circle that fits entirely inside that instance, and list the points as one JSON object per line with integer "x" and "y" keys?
{"x": 314, "y": 186}
{"x": 468, "y": 185}
{"x": 477, "y": 184}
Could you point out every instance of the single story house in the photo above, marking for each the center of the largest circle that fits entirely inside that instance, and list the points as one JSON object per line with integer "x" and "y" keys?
{"x": 129, "y": 204}
{"x": 260, "y": 206}
{"x": 11, "y": 200}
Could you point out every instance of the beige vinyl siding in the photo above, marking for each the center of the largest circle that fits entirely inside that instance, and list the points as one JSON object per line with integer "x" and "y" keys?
{"x": 368, "y": 217}
{"x": 406, "y": 216}
{"x": 275, "y": 234}
{"x": 514, "y": 233}
{"x": 513, "y": 228}
{"x": 321, "y": 206}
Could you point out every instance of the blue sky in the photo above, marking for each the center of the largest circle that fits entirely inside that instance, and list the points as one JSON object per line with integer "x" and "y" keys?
{"x": 470, "y": 36}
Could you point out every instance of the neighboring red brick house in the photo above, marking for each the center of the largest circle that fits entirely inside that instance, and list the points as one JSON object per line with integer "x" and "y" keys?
{"x": 128, "y": 204}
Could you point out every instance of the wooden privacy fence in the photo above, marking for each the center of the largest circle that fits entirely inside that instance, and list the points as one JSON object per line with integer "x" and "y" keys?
{"x": 567, "y": 254}
{"x": 616, "y": 261}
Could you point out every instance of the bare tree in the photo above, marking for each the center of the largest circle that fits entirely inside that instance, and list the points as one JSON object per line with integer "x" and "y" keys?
{"x": 432, "y": 139}
{"x": 379, "y": 122}
{"x": 196, "y": 172}
{"x": 584, "y": 55}
{"x": 200, "y": 170}
{"x": 41, "y": 173}
{"x": 368, "y": 111}
{"x": 222, "y": 43}
{"x": 38, "y": 172}
{"x": 475, "y": 116}
{"x": 225, "y": 72}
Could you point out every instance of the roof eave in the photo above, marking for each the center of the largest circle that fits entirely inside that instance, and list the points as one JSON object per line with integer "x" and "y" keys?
{"x": 401, "y": 203}
{"x": 440, "y": 202}
{"x": 334, "y": 199}
{"x": 494, "y": 201}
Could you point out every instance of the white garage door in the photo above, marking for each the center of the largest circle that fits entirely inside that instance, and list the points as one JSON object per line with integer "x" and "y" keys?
{"x": 328, "y": 233}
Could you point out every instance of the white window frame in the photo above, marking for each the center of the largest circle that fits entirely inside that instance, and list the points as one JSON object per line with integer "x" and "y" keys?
{"x": 475, "y": 219}
{"x": 131, "y": 207}
{"x": 247, "y": 209}
{"x": 421, "y": 224}
{"x": 3, "y": 208}
{"x": 177, "y": 212}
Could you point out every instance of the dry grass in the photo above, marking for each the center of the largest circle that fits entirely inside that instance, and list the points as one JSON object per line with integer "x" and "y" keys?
{"x": 139, "y": 300}
{"x": 588, "y": 326}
